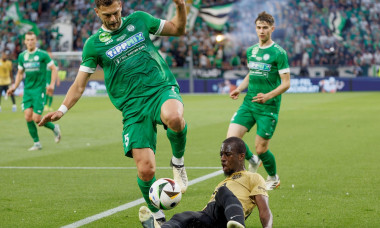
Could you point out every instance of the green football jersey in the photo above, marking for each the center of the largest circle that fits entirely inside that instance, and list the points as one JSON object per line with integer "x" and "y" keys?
{"x": 34, "y": 65}
{"x": 133, "y": 68}
{"x": 265, "y": 66}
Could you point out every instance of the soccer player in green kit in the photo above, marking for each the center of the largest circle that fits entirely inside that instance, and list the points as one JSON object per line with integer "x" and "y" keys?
{"x": 268, "y": 78}
{"x": 33, "y": 62}
{"x": 139, "y": 84}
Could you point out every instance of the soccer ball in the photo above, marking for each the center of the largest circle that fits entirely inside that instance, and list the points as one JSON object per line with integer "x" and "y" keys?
{"x": 165, "y": 194}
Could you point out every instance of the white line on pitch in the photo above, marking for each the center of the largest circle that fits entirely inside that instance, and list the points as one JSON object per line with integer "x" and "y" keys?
{"x": 131, "y": 204}
{"x": 42, "y": 167}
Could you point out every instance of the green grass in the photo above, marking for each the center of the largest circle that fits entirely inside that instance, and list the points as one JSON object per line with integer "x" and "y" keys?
{"x": 326, "y": 145}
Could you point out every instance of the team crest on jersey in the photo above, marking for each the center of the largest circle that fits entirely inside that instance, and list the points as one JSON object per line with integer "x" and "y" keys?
{"x": 104, "y": 37}
{"x": 266, "y": 57}
{"x": 36, "y": 58}
{"x": 131, "y": 28}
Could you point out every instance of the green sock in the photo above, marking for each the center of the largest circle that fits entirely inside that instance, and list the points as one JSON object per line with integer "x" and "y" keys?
{"x": 177, "y": 141}
{"x": 249, "y": 153}
{"x": 50, "y": 125}
{"x": 50, "y": 100}
{"x": 33, "y": 131}
{"x": 144, "y": 187}
{"x": 269, "y": 162}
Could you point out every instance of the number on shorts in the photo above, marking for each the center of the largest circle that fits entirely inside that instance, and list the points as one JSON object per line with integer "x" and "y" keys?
{"x": 126, "y": 139}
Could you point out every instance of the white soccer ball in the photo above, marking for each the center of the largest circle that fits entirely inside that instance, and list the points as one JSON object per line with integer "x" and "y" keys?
{"x": 165, "y": 194}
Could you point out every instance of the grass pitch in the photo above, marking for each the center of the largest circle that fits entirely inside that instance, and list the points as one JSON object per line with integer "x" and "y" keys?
{"x": 326, "y": 147}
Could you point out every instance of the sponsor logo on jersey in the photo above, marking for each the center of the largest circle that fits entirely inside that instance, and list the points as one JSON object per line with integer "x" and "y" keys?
{"x": 104, "y": 36}
{"x": 266, "y": 57}
{"x": 123, "y": 46}
{"x": 131, "y": 28}
{"x": 32, "y": 65}
{"x": 121, "y": 37}
{"x": 259, "y": 66}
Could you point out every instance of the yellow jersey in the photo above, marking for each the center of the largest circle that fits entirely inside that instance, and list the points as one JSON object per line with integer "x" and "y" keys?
{"x": 5, "y": 72}
{"x": 244, "y": 185}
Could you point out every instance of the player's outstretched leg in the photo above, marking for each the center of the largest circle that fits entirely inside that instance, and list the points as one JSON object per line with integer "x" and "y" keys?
{"x": 233, "y": 210}
{"x": 254, "y": 161}
{"x": 178, "y": 143}
{"x": 147, "y": 219}
{"x": 269, "y": 162}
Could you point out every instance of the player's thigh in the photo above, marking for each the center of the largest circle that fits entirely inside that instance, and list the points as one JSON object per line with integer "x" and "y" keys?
{"x": 243, "y": 117}
{"x": 3, "y": 88}
{"x": 28, "y": 114}
{"x": 266, "y": 125}
{"x": 139, "y": 135}
{"x": 236, "y": 130}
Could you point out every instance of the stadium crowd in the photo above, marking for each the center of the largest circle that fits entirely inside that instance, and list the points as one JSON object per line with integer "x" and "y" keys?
{"x": 303, "y": 28}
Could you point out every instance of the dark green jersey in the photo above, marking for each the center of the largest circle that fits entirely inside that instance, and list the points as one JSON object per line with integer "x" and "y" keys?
{"x": 265, "y": 66}
{"x": 133, "y": 68}
{"x": 34, "y": 65}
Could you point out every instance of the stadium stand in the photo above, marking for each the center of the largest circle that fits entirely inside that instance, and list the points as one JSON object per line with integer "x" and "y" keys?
{"x": 326, "y": 33}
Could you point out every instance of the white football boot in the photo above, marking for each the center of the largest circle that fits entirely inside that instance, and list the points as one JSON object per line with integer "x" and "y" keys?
{"x": 57, "y": 133}
{"x": 254, "y": 163}
{"x": 36, "y": 146}
{"x": 234, "y": 224}
{"x": 180, "y": 176}
{"x": 272, "y": 182}
{"x": 147, "y": 219}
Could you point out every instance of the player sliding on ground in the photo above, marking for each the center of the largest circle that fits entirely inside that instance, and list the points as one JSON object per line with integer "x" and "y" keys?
{"x": 139, "y": 84}
{"x": 232, "y": 201}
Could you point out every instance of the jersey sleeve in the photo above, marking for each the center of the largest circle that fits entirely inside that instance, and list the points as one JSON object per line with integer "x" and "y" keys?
{"x": 154, "y": 25}
{"x": 282, "y": 62}
{"x": 258, "y": 186}
{"x": 89, "y": 58}
{"x": 20, "y": 62}
{"x": 48, "y": 60}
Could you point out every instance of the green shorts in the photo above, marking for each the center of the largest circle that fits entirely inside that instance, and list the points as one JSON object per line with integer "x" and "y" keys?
{"x": 143, "y": 134}
{"x": 266, "y": 123}
{"x": 35, "y": 100}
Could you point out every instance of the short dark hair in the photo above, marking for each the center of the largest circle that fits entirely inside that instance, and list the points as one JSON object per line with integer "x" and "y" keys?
{"x": 30, "y": 33}
{"x": 100, "y": 3}
{"x": 264, "y": 16}
{"x": 237, "y": 144}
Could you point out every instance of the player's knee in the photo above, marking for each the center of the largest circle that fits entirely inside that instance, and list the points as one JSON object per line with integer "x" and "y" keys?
{"x": 146, "y": 173}
{"x": 175, "y": 122}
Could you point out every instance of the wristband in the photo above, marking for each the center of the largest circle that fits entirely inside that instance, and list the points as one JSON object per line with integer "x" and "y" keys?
{"x": 63, "y": 109}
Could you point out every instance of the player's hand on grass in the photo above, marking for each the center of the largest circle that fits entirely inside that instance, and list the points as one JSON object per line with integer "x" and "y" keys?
{"x": 260, "y": 98}
{"x": 234, "y": 94}
{"x": 50, "y": 117}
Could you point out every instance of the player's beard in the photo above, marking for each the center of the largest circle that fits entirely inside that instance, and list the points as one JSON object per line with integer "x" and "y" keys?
{"x": 112, "y": 26}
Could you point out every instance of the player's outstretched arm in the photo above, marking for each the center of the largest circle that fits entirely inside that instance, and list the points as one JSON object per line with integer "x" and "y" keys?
{"x": 177, "y": 25}
{"x": 75, "y": 92}
{"x": 265, "y": 213}
{"x": 234, "y": 94}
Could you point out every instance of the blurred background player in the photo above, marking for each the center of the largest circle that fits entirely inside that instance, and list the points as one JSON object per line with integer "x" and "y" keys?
{"x": 139, "y": 84}
{"x": 49, "y": 94}
{"x": 232, "y": 201}
{"x": 33, "y": 63}
{"x": 268, "y": 78}
{"x": 6, "y": 78}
